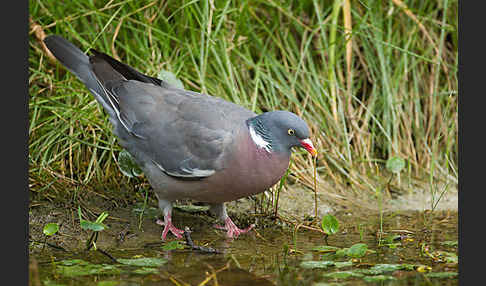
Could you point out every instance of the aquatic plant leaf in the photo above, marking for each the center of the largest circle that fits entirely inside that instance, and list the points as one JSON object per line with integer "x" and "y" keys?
{"x": 441, "y": 274}
{"x": 329, "y": 224}
{"x": 449, "y": 243}
{"x": 381, "y": 268}
{"x": 342, "y": 252}
{"x": 343, "y": 274}
{"x": 127, "y": 165}
{"x": 108, "y": 283}
{"x": 69, "y": 262}
{"x": 92, "y": 225}
{"x": 343, "y": 264}
{"x": 170, "y": 78}
{"x": 316, "y": 264}
{"x": 325, "y": 248}
{"x": 445, "y": 256}
{"x": 52, "y": 283}
{"x": 145, "y": 261}
{"x": 395, "y": 164}
{"x": 192, "y": 208}
{"x": 146, "y": 270}
{"x": 378, "y": 278}
{"x": 357, "y": 250}
{"x": 50, "y": 228}
{"x": 173, "y": 245}
{"x": 87, "y": 269}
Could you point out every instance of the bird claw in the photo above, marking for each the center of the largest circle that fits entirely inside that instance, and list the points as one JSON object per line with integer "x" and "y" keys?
{"x": 169, "y": 227}
{"x": 232, "y": 231}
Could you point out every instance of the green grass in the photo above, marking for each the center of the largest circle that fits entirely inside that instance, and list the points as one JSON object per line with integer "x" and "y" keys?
{"x": 397, "y": 96}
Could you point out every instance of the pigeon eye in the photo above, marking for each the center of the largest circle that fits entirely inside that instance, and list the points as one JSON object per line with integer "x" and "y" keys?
{"x": 291, "y": 132}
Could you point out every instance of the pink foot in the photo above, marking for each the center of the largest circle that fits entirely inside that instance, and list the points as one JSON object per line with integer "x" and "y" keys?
{"x": 168, "y": 226}
{"x": 232, "y": 230}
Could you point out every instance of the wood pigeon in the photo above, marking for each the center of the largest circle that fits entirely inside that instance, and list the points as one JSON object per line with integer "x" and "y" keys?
{"x": 189, "y": 145}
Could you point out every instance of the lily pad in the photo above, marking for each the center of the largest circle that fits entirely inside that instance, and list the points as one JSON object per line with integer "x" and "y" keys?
{"x": 192, "y": 208}
{"x": 343, "y": 274}
{"x": 316, "y": 264}
{"x": 358, "y": 250}
{"x": 441, "y": 274}
{"x": 108, "y": 283}
{"x": 172, "y": 245}
{"x": 146, "y": 270}
{"x": 343, "y": 264}
{"x": 382, "y": 268}
{"x": 325, "y": 248}
{"x": 88, "y": 269}
{"x": 69, "y": 262}
{"x": 450, "y": 243}
{"x": 145, "y": 261}
{"x": 379, "y": 278}
{"x": 445, "y": 256}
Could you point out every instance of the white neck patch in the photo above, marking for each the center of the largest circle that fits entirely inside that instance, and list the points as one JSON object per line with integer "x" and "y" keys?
{"x": 258, "y": 140}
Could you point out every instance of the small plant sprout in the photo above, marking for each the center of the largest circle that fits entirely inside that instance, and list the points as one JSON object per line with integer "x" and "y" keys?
{"x": 395, "y": 165}
{"x": 95, "y": 226}
{"x": 329, "y": 225}
{"x": 50, "y": 229}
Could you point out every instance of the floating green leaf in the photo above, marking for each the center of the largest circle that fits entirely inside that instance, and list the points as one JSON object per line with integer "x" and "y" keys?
{"x": 330, "y": 224}
{"x": 172, "y": 245}
{"x": 450, "y": 243}
{"x": 389, "y": 267}
{"x": 146, "y": 270}
{"x": 343, "y": 274}
{"x": 325, "y": 248}
{"x": 87, "y": 269}
{"x": 170, "y": 78}
{"x": 441, "y": 274}
{"x": 51, "y": 228}
{"x": 379, "y": 278}
{"x": 127, "y": 164}
{"x": 52, "y": 283}
{"x": 395, "y": 164}
{"x": 192, "y": 208}
{"x": 92, "y": 225}
{"x": 145, "y": 261}
{"x": 70, "y": 262}
{"x": 446, "y": 256}
{"x": 108, "y": 283}
{"x": 358, "y": 250}
{"x": 343, "y": 264}
{"x": 316, "y": 264}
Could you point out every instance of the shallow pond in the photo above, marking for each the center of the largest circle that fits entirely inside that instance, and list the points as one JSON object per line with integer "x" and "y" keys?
{"x": 415, "y": 248}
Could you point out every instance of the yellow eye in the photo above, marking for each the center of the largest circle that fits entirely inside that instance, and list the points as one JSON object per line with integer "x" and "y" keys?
{"x": 291, "y": 132}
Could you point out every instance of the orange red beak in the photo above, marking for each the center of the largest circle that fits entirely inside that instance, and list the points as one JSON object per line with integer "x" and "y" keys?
{"x": 307, "y": 145}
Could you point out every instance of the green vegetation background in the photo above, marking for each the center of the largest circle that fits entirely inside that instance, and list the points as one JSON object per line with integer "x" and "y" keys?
{"x": 374, "y": 79}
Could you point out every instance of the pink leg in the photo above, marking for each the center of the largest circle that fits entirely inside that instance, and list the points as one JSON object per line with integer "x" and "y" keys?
{"x": 168, "y": 226}
{"x": 232, "y": 230}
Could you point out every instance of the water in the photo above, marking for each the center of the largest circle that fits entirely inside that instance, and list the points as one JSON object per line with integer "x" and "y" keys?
{"x": 270, "y": 256}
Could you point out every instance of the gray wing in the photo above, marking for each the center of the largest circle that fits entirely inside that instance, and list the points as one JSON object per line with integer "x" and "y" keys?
{"x": 184, "y": 133}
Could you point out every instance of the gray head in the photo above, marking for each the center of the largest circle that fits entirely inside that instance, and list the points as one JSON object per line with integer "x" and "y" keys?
{"x": 280, "y": 131}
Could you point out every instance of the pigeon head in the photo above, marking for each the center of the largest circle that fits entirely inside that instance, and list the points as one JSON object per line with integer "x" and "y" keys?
{"x": 279, "y": 131}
